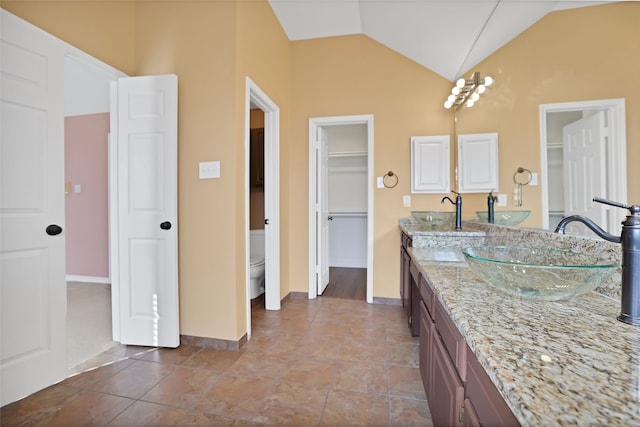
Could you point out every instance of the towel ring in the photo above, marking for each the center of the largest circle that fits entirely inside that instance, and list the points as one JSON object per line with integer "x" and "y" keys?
{"x": 391, "y": 175}
{"x": 522, "y": 170}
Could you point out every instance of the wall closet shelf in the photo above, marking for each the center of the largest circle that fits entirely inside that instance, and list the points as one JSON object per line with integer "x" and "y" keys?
{"x": 349, "y": 154}
{"x": 348, "y": 214}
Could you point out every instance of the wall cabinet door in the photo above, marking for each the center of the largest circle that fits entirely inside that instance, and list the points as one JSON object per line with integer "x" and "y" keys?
{"x": 478, "y": 163}
{"x": 430, "y": 164}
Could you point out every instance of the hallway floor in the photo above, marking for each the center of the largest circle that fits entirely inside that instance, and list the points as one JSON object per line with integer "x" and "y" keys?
{"x": 322, "y": 362}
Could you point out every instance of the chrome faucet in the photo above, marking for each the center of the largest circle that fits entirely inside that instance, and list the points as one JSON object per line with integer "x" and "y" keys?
{"x": 630, "y": 239}
{"x": 458, "y": 204}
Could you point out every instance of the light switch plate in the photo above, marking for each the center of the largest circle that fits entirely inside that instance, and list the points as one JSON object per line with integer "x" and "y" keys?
{"x": 502, "y": 200}
{"x": 406, "y": 201}
{"x": 534, "y": 178}
{"x": 209, "y": 170}
{"x": 380, "y": 182}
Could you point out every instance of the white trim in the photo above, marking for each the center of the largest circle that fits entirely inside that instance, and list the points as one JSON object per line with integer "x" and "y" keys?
{"x": 254, "y": 95}
{"x": 88, "y": 279}
{"x": 617, "y": 186}
{"x": 314, "y": 124}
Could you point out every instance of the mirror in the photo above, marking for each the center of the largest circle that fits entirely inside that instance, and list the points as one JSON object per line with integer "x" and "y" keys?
{"x": 542, "y": 67}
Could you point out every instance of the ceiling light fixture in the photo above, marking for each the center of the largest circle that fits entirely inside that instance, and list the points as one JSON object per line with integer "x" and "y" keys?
{"x": 467, "y": 92}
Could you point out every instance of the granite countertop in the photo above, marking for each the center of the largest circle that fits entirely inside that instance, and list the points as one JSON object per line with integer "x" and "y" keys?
{"x": 555, "y": 363}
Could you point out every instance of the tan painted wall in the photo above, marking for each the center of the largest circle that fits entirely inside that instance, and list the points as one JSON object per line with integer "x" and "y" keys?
{"x": 355, "y": 75}
{"x": 213, "y": 45}
{"x": 102, "y": 29}
{"x": 264, "y": 55}
{"x": 196, "y": 41}
{"x": 573, "y": 55}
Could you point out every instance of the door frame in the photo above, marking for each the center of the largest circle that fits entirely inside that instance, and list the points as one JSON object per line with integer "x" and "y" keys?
{"x": 616, "y": 162}
{"x": 254, "y": 96}
{"x": 314, "y": 124}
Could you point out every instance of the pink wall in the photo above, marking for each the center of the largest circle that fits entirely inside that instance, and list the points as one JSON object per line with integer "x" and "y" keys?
{"x": 87, "y": 241}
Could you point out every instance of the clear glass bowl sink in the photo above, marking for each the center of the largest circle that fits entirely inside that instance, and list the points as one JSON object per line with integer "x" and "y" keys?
{"x": 504, "y": 217}
{"x": 545, "y": 274}
{"x": 434, "y": 219}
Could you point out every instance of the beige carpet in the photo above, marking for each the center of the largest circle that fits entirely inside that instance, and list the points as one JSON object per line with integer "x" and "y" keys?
{"x": 88, "y": 321}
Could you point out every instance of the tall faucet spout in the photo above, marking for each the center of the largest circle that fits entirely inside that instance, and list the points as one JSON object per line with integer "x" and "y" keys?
{"x": 630, "y": 240}
{"x": 458, "y": 204}
{"x": 589, "y": 223}
{"x": 447, "y": 198}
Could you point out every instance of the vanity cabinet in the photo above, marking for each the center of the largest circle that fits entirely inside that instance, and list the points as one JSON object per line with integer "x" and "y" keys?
{"x": 405, "y": 275}
{"x": 415, "y": 299}
{"x": 483, "y": 400}
{"x": 459, "y": 391}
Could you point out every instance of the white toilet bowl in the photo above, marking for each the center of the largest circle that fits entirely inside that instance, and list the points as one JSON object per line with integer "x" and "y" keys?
{"x": 256, "y": 262}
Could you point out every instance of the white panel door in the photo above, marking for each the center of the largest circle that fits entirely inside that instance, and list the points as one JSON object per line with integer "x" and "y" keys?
{"x": 33, "y": 289}
{"x": 147, "y": 210}
{"x": 584, "y": 168}
{"x": 323, "y": 198}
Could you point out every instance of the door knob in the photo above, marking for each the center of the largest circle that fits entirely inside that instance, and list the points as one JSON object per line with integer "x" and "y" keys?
{"x": 53, "y": 230}
{"x": 166, "y": 225}
{"x": 266, "y": 221}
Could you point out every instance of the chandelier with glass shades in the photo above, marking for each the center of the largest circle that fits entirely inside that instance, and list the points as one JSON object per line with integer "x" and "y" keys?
{"x": 467, "y": 92}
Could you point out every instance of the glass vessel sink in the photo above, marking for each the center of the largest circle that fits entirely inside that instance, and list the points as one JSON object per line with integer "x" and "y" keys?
{"x": 545, "y": 274}
{"x": 504, "y": 217}
{"x": 434, "y": 219}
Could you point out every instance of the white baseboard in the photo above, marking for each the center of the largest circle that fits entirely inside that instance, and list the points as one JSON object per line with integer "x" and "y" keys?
{"x": 88, "y": 279}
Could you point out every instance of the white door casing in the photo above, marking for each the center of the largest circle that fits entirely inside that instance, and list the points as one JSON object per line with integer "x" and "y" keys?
{"x": 314, "y": 207}
{"x": 33, "y": 287}
{"x": 616, "y": 158}
{"x": 145, "y": 145}
{"x": 255, "y": 97}
{"x": 323, "y": 211}
{"x": 584, "y": 166}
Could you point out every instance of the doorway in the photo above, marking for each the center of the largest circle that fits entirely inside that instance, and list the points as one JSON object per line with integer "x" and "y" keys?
{"x": 86, "y": 117}
{"x": 612, "y": 146}
{"x": 257, "y": 99}
{"x": 341, "y": 203}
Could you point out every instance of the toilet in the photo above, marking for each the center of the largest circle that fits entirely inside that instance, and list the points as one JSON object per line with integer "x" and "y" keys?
{"x": 256, "y": 262}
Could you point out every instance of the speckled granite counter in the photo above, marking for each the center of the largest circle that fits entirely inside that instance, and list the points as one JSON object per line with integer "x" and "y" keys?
{"x": 590, "y": 372}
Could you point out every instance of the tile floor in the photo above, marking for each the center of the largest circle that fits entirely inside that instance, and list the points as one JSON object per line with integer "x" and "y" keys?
{"x": 322, "y": 362}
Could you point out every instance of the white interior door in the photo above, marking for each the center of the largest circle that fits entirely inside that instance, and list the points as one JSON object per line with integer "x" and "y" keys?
{"x": 584, "y": 167}
{"x": 33, "y": 288}
{"x": 323, "y": 220}
{"x": 147, "y": 235}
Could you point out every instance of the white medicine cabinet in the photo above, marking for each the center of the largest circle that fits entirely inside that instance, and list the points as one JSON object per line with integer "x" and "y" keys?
{"x": 478, "y": 163}
{"x": 430, "y": 164}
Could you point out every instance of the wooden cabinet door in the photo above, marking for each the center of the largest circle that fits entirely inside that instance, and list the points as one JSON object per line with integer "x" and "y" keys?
{"x": 447, "y": 397}
{"x": 406, "y": 283}
{"x": 470, "y": 416}
{"x": 490, "y": 407}
{"x": 427, "y": 329}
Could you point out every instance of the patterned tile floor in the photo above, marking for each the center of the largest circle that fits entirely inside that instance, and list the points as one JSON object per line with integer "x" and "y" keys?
{"x": 322, "y": 362}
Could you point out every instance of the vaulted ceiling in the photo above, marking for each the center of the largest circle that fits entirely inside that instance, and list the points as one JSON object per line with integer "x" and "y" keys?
{"x": 448, "y": 37}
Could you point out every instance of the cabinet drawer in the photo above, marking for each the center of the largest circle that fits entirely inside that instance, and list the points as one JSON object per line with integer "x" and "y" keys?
{"x": 490, "y": 407}
{"x": 452, "y": 339}
{"x": 428, "y": 296}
